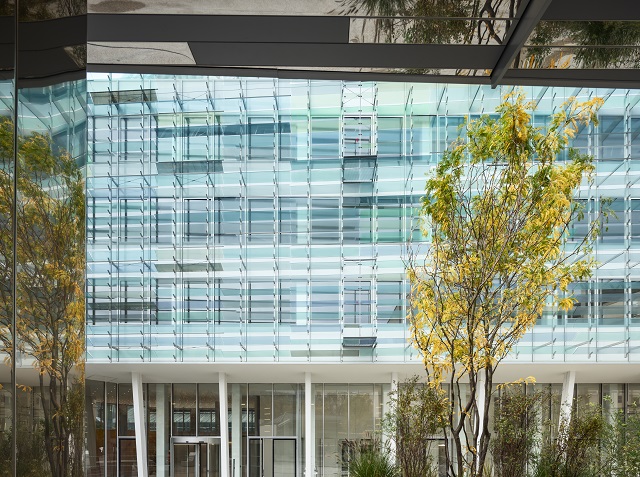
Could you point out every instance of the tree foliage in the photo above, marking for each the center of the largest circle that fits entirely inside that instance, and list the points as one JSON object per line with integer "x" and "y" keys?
{"x": 50, "y": 284}
{"x": 497, "y": 211}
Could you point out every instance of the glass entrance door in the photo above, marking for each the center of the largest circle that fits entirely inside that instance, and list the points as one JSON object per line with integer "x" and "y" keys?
{"x": 195, "y": 457}
{"x": 284, "y": 457}
{"x": 127, "y": 466}
{"x": 185, "y": 460}
{"x": 272, "y": 457}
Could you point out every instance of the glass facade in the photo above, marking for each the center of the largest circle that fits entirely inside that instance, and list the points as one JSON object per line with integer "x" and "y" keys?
{"x": 248, "y": 219}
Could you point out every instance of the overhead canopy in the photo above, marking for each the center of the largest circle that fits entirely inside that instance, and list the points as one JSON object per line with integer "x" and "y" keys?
{"x": 538, "y": 42}
{"x": 546, "y": 42}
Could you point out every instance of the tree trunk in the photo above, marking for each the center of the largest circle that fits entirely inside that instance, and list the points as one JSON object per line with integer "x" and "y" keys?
{"x": 48, "y": 445}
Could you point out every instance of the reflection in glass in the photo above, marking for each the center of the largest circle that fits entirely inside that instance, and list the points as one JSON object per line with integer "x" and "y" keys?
{"x": 6, "y": 273}
{"x": 95, "y": 426}
{"x": 49, "y": 251}
{"x": 285, "y": 411}
{"x": 37, "y": 10}
{"x": 260, "y": 403}
{"x": 126, "y": 423}
{"x": 208, "y": 411}
{"x": 127, "y": 466}
{"x": 158, "y": 427}
{"x": 7, "y": 166}
{"x": 434, "y": 21}
{"x": 585, "y": 44}
{"x": 111, "y": 429}
{"x": 184, "y": 410}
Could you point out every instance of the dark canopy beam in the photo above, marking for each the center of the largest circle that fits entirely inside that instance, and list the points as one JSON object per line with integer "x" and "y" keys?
{"x": 532, "y": 12}
{"x": 217, "y": 28}
{"x": 356, "y": 55}
{"x": 593, "y": 10}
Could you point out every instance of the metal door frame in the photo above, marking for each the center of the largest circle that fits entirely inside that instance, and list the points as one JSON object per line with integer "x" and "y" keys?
{"x": 271, "y": 439}
{"x": 196, "y": 441}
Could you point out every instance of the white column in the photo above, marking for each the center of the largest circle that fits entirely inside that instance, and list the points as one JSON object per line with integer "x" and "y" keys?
{"x": 161, "y": 437}
{"x": 480, "y": 402}
{"x": 236, "y": 429}
{"x": 92, "y": 450}
{"x": 566, "y": 402}
{"x": 309, "y": 438}
{"x": 139, "y": 423}
{"x": 224, "y": 426}
{"x": 391, "y": 442}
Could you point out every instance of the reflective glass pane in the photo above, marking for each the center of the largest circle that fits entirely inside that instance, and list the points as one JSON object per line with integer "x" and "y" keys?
{"x": 184, "y": 410}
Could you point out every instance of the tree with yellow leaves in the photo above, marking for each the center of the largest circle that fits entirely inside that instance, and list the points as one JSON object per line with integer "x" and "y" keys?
{"x": 50, "y": 211}
{"x": 497, "y": 210}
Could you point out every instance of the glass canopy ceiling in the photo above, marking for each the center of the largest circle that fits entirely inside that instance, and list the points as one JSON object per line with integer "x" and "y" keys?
{"x": 528, "y": 42}
{"x": 577, "y": 42}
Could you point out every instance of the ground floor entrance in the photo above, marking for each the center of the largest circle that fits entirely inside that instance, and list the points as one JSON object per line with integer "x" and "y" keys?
{"x": 272, "y": 456}
{"x": 195, "y": 457}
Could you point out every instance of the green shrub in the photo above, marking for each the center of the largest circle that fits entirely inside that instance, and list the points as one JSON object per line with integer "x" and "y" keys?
{"x": 372, "y": 463}
{"x": 417, "y": 415}
{"x": 515, "y": 433}
{"x": 621, "y": 449}
{"x": 369, "y": 459}
{"x": 576, "y": 450}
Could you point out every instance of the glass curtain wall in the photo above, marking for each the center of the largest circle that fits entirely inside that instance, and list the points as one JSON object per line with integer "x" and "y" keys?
{"x": 268, "y": 220}
{"x": 50, "y": 276}
{"x": 262, "y": 419}
{"x": 42, "y": 242}
{"x": 344, "y": 414}
{"x": 262, "y": 413}
{"x": 7, "y": 248}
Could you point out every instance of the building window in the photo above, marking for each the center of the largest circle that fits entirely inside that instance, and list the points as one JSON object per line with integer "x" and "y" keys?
{"x": 195, "y": 301}
{"x": 611, "y": 306}
{"x": 325, "y": 301}
{"x": 181, "y": 421}
{"x": 131, "y": 138}
{"x": 390, "y": 300}
{"x": 197, "y": 219}
{"x": 325, "y": 221}
{"x": 293, "y": 220}
{"x": 131, "y": 424}
{"x": 261, "y": 302}
{"x": 357, "y": 219}
{"x": 293, "y": 134}
{"x": 612, "y": 227}
{"x": 325, "y": 138}
{"x": 227, "y": 220}
{"x": 262, "y": 138}
{"x": 261, "y": 220}
{"x": 390, "y": 137}
{"x": 357, "y": 137}
{"x": 130, "y": 301}
{"x": 610, "y": 137}
{"x": 130, "y": 219}
{"x": 389, "y": 220}
{"x": 293, "y": 296}
{"x": 228, "y": 299}
{"x": 357, "y": 302}
{"x": 207, "y": 424}
{"x": 197, "y": 139}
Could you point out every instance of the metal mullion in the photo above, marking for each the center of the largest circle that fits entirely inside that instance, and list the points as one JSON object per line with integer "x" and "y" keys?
{"x": 198, "y": 411}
